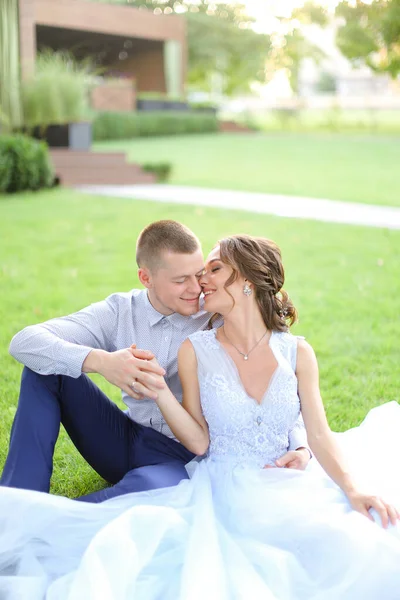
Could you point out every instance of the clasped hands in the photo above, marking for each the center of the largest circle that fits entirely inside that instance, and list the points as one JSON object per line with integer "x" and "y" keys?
{"x": 129, "y": 366}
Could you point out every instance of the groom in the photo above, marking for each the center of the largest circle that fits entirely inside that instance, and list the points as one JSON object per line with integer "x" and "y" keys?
{"x": 133, "y": 450}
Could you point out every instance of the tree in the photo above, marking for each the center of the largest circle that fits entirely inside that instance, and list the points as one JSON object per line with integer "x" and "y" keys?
{"x": 370, "y": 34}
{"x": 225, "y": 53}
{"x": 292, "y": 46}
{"x": 222, "y": 47}
{"x": 326, "y": 83}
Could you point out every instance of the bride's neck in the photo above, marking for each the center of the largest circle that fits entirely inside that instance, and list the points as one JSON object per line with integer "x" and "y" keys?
{"x": 244, "y": 326}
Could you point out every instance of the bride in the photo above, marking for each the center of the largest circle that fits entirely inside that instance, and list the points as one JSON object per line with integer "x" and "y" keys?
{"x": 241, "y": 527}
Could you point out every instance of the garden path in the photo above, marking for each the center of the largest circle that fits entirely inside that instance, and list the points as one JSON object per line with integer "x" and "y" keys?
{"x": 274, "y": 204}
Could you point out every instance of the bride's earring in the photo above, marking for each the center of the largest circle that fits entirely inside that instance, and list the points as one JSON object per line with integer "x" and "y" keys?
{"x": 247, "y": 291}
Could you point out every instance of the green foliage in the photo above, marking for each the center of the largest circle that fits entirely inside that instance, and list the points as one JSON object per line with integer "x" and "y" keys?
{"x": 6, "y": 163}
{"x": 58, "y": 92}
{"x": 225, "y": 55}
{"x": 160, "y": 96}
{"x": 311, "y": 13}
{"x": 125, "y": 125}
{"x": 289, "y": 55}
{"x": 203, "y": 106}
{"x": 24, "y": 164}
{"x": 152, "y": 96}
{"x": 5, "y": 124}
{"x": 290, "y": 50}
{"x": 286, "y": 117}
{"x": 370, "y": 34}
{"x": 162, "y": 170}
{"x": 326, "y": 83}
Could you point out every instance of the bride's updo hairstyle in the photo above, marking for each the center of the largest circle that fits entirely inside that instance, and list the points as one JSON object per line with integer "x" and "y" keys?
{"x": 259, "y": 261}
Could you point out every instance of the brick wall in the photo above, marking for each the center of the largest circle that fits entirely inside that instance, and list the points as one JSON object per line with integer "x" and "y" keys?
{"x": 114, "y": 95}
{"x": 110, "y": 19}
{"x": 27, "y": 37}
{"x": 147, "y": 67}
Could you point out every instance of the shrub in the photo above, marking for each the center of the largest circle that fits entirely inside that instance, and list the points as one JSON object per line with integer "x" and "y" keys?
{"x": 204, "y": 107}
{"x": 161, "y": 170}
{"x": 58, "y": 91}
{"x": 125, "y": 125}
{"x": 286, "y": 116}
{"x": 160, "y": 96}
{"x": 24, "y": 164}
{"x": 5, "y": 170}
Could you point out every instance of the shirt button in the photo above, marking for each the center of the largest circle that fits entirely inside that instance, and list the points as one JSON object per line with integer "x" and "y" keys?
{"x": 166, "y": 338}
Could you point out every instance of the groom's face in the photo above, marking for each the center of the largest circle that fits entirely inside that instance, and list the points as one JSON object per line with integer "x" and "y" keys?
{"x": 174, "y": 285}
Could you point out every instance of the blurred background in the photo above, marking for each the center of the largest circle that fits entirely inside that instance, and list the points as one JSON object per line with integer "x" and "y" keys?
{"x": 267, "y": 64}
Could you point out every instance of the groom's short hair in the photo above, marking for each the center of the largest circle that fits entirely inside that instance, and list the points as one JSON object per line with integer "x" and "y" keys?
{"x": 164, "y": 236}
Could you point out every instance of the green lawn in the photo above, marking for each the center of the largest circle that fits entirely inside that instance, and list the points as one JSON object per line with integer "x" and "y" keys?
{"x": 340, "y": 167}
{"x": 61, "y": 250}
{"x": 335, "y": 120}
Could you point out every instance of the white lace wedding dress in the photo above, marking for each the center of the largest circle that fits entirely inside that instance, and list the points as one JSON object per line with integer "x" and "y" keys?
{"x": 234, "y": 531}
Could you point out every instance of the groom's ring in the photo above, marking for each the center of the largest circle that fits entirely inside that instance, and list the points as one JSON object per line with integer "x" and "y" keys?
{"x": 133, "y": 384}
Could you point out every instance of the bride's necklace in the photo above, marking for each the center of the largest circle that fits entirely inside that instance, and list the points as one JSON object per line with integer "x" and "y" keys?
{"x": 245, "y": 355}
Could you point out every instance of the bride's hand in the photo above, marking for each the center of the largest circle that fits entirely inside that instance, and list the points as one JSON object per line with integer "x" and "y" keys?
{"x": 364, "y": 502}
{"x": 147, "y": 386}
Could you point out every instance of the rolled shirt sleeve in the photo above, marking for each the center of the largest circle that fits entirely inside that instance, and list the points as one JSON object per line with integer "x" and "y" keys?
{"x": 298, "y": 436}
{"x": 60, "y": 346}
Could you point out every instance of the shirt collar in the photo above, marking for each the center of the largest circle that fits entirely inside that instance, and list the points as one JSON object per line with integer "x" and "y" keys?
{"x": 154, "y": 317}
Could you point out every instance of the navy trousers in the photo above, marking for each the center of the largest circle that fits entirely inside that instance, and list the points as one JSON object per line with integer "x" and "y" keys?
{"x": 129, "y": 456}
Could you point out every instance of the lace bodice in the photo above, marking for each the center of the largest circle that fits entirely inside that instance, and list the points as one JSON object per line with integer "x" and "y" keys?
{"x": 241, "y": 428}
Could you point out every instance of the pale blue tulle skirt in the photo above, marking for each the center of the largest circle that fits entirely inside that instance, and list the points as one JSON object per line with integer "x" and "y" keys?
{"x": 229, "y": 533}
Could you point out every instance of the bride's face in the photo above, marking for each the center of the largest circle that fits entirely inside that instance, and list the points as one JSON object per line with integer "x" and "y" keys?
{"x": 215, "y": 275}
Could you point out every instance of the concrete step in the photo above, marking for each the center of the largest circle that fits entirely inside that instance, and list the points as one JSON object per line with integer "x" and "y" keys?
{"x": 232, "y": 127}
{"x": 77, "y": 157}
{"x": 78, "y": 168}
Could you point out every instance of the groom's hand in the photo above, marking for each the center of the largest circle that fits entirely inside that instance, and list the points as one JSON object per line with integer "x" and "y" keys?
{"x": 125, "y": 368}
{"x": 294, "y": 459}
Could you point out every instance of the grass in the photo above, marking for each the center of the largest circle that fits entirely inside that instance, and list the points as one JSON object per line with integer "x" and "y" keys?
{"x": 331, "y": 120}
{"x": 339, "y": 167}
{"x": 61, "y": 250}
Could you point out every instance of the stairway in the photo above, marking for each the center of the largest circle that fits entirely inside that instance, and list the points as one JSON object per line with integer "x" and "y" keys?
{"x": 76, "y": 167}
{"x": 233, "y": 127}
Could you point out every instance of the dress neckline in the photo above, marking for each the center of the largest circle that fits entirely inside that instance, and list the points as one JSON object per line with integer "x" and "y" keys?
{"x": 233, "y": 364}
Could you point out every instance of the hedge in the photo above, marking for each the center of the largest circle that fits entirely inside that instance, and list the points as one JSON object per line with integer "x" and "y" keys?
{"x": 125, "y": 125}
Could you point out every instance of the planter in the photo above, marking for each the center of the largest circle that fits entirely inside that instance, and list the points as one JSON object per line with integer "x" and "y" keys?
{"x": 145, "y": 104}
{"x": 75, "y": 136}
{"x": 210, "y": 110}
{"x": 177, "y": 105}
{"x": 149, "y": 104}
{"x": 204, "y": 108}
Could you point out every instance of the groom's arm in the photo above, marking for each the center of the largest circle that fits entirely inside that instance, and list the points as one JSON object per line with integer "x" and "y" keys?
{"x": 85, "y": 342}
{"x": 298, "y": 455}
{"x": 60, "y": 346}
{"x": 298, "y": 436}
